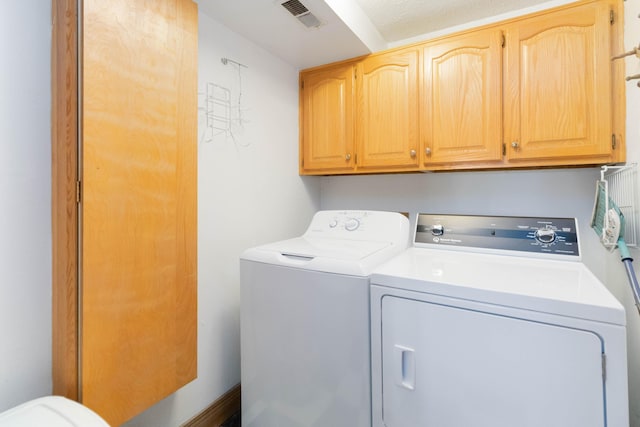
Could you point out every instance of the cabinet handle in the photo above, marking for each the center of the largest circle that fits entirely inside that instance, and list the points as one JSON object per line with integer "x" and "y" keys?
{"x": 515, "y": 145}
{"x": 347, "y": 157}
{"x": 427, "y": 151}
{"x": 412, "y": 153}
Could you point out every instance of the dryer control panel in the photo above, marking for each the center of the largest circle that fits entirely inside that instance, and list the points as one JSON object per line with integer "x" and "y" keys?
{"x": 526, "y": 235}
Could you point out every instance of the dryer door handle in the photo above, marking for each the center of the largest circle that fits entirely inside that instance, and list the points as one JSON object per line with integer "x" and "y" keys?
{"x": 405, "y": 366}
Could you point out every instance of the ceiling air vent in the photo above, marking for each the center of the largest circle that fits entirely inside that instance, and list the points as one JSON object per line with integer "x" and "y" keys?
{"x": 301, "y": 13}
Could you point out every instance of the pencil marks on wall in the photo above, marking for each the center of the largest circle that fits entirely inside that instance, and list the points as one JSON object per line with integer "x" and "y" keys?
{"x": 223, "y": 108}
{"x": 218, "y": 108}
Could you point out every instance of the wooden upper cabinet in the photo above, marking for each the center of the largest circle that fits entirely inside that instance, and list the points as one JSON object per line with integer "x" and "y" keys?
{"x": 534, "y": 91}
{"x": 462, "y": 87}
{"x": 558, "y": 87}
{"x": 327, "y": 120}
{"x": 388, "y": 112}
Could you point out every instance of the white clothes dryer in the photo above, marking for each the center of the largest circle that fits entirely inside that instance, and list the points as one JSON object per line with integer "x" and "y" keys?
{"x": 305, "y": 320}
{"x": 495, "y": 322}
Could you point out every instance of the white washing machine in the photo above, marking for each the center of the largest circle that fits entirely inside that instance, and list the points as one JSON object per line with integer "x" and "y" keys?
{"x": 495, "y": 322}
{"x": 305, "y": 321}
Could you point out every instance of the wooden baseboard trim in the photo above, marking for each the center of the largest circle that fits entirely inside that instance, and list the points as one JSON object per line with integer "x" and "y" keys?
{"x": 219, "y": 411}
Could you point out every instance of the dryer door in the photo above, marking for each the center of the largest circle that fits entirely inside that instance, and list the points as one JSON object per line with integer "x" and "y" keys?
{"x": 444, "y": 366}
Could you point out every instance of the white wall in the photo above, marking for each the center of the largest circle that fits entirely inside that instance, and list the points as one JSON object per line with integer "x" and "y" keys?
{"x": 249, "y": 193}
{"x": 616, "y": 277}
{"x": 25, "y": 224}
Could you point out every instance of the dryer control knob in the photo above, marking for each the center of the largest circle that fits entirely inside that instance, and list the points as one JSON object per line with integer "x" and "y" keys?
{"x": 352, "y": 224}
{"x": 545, "y": 235}
{"x": 437, "y": 230}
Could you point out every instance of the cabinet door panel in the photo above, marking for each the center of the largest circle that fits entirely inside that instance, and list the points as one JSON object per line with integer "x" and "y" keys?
{"x": 388, "y": 131}
{"x": 327, "y": 120}
{"x": 138, "y": 210}
{"x": 463, "y": 99}
{"x": 558, "y": 74}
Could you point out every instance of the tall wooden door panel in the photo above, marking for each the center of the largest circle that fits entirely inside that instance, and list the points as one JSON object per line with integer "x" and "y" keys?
{"x": 388, "y": 111}
{"x": 463, "y": 99}
{"x": 558, "y": 85}
{"x": 327, "y": 120}
{"x": 137, "y": 211}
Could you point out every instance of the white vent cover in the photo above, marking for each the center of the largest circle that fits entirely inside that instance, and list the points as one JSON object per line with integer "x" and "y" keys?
{"x": 301, "y": 13}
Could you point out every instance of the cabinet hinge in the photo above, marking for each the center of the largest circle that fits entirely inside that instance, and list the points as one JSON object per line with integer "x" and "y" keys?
{"x": 604, "y": 367}
{"x": 613, "y": 141}
{"x": 612, "y": 17}
{"x": 504, "y": 149}
{"x": 302, "y": 84}
{"x": 78, "y": 191}
{"x": 504, "y": 40}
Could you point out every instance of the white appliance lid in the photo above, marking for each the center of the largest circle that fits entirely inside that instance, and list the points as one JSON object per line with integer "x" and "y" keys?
{"x": 348, "y": 250}
{"x": 341, "y": 242}
{"x": 566, "y": 288}
{"x": 351, "y": 257}
{"x": 51, "y": 411}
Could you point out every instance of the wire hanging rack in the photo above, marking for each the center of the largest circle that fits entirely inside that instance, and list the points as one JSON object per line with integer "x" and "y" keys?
{"x": 621, "y": 185}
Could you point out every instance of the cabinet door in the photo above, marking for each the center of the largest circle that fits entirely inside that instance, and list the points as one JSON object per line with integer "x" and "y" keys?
{"x": 462, "y": 115}
{"x": 327, "y": 120}
{"x": 559, "y": 87}
{"x": 128, "y": 310}
{"x": 450, "y": 367}
{"x": 388, "y": 112}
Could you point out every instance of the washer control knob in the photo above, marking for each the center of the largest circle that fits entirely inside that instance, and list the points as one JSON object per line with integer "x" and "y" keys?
{"x": 333, "y": 223}
{"x": 545, "y": 235}
{"x": 437, "y": 230}
{"x": 351, "y": 224}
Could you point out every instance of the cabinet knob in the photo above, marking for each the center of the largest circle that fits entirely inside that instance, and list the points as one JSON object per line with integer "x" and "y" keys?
{"x": 412, "y": 153}
{"x": 427, "y": 151}
{"x": 347, "y": 157}
{"x": 515, "y": 145}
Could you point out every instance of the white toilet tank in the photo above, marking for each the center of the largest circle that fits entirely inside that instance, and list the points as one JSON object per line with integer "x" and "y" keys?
{"x": 51, "y": 411}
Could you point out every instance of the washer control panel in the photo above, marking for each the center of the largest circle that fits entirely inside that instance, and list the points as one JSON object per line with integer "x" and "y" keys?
{"x": 557, "y": 236}
{"x": 339, "y": 221}
{"x": 359, "y": 225}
